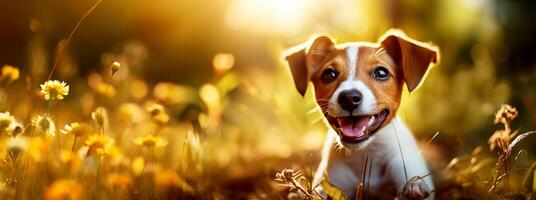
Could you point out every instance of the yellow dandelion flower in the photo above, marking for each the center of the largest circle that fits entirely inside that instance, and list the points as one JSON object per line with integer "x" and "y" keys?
{"x": 119, "y": 180}
{"x": 100, "y": 116}
{"x": 9, "y": 74}
{"x": 15, "y": 129}
{"x": 5, "y": 120}
{"x": 211, "y": 96}
{"x": 170, "y": 178}
{"x": 155, "y": 109}
{"x": 76, "y": 129}
{"x": 115, "y": 67}
{"x": 150, "y": 141}
{"x": 8, "y": 124}
{"x": 158, "y": 114}
{"x": 16, "y": 144}
{"x": 54, "y": 90}
{"x": 70, "y": 158}
{"x": 64, "y": 189}
{"x": 137, "y": 165}
{"x": 113, "y": 152}
{"x": 98, "y": 143}
{"x": 161, "y": 118}
{"x": 222, "y": 62}
{"x": 106, "y": 90}
{"x": 44, "y": 124}
{"x": 131, "y": 112}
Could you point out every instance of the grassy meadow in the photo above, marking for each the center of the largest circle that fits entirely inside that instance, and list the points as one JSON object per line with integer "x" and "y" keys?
{"x": 184, "y": 100}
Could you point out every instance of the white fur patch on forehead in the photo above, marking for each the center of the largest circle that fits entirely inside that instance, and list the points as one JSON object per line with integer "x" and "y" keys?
{"x": 352, "y": 52}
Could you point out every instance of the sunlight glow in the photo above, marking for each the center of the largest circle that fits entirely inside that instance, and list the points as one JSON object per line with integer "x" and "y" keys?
{"x": 294, "y": 17}
{"x": 267, "y": 15}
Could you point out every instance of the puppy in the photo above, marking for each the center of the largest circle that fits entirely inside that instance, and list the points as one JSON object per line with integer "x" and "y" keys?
{"x": 358, "y": 87}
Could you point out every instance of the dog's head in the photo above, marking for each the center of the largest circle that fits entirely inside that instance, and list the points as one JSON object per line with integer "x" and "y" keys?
{"x": 358, "y": 85}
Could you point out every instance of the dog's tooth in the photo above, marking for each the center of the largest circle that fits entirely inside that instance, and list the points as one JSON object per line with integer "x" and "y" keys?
{"x": 371, "y": 121}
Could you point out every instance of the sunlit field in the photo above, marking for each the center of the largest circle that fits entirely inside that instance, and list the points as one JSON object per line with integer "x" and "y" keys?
{"x": 130, "y": 99}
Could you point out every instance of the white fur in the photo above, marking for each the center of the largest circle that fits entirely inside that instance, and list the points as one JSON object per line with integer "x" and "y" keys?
{"x": 344, "y": 168}
{"x": 352, "y": 51}
{"x": 344, "y": 165}
{"x": 368, "y": 102}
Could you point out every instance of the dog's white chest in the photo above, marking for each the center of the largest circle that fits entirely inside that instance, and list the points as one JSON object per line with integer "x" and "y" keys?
{"x": 347, "y": 175}
{"x": 379, "y": 164}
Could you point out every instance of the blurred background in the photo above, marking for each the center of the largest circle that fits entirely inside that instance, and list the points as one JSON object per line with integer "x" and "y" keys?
{"x": 218, "y": 66}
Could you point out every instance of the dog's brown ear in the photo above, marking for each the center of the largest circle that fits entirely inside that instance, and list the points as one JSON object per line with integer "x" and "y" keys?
{"x": 415, "y": 57}
{"x": 304, "y": 59}
{"x": 298, "y": 68}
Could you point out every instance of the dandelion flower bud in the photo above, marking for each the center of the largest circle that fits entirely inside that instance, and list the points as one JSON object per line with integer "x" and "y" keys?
{"x": 100, "y": 116}
{"x": 115, "y": 67}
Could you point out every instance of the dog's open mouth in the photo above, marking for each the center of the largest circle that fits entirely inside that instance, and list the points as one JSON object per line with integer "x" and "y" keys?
{"x": 354, "y": 129}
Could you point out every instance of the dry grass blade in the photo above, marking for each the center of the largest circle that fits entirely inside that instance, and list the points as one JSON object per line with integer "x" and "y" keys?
{"x": 289, "y": 177}
{"x": 502, "y": 170}
{"x": 518, "y": 139}
{"x": 361, "y": 186}
{"x": 62, "y": 48}
{"x": 401, "y": 154}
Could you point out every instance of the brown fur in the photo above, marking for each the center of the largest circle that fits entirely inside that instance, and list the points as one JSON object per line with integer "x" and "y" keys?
{"x": 406, "y": 60}
{"x": 387, "y": 92}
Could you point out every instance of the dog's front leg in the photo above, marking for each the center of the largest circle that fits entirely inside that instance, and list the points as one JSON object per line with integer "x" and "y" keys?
{"x": 410, "y": 179}
{"x": 322, "y": 167}
{"x": 407, "y": 167}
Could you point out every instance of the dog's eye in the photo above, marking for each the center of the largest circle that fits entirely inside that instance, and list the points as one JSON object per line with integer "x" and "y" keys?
{"x": 380, "y": 73}
{"x": 329, "y": 75}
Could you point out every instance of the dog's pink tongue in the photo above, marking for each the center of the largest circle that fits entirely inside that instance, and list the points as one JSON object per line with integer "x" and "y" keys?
{"x": 354, "y": 128}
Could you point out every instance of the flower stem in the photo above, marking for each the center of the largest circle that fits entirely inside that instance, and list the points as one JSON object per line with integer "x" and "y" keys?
{"x": 99, "y": 174}
{"x": 74, "y": 143}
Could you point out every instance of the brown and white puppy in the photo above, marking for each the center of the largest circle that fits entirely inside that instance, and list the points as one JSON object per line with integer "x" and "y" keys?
{"x": 358, "y": 86}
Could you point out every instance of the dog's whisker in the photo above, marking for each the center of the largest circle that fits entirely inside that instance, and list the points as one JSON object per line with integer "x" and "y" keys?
{"x": 378, "y": 51}
{"x": 313, "y": 110}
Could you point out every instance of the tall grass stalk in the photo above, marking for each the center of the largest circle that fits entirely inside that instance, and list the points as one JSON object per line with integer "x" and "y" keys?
{"x": 400, "y": 149}
{"x": 61, "y": 49}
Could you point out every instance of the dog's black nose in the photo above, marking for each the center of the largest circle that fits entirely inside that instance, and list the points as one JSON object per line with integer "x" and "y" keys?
{"x": 350, "y": 99}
